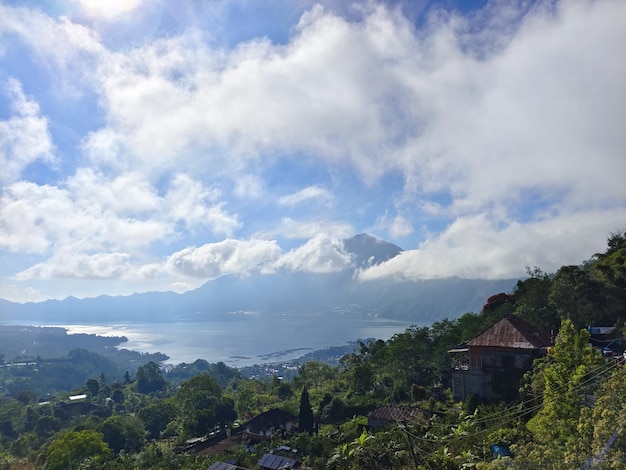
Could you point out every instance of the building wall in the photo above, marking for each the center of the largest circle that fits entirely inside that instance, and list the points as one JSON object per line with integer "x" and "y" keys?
{"x": 487, "y": 364}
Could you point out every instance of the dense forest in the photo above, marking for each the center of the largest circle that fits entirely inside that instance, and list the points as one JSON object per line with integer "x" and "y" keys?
{"x": 569, "y": 413}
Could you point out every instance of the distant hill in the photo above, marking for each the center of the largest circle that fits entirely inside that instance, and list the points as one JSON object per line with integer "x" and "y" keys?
{"x": 292, "y": 292}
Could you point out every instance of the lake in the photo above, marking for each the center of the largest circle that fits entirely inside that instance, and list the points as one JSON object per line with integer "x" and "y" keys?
{"x": 242, "y": 338}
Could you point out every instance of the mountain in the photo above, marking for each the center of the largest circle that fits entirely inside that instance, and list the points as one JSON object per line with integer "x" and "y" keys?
{"x": 367, "y": 250}
{"x": 286, "y": 292}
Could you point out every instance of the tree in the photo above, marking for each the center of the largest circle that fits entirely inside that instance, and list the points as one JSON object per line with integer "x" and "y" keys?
{"x": 73, "y": 448}
{"x": 576, "y": 296}
{"x": 411, "y": 358}
{"x": 47, "y": 425}
{"x": 532, "y": 300}
{"x": 601, "y": 429}
{"x": 565, "y": 382}
{"x": 156, "y": 416}
{"x": 612, "y": 263}
{"x": 202, "y": 407}
{"x": 362, "y": 378}
{"x": 25, "y": 397}
{"x": 123, "y": 432}
{"x": 314, "y": 374}
{"x": 118, "y": 396}
{"x": 306, "y": 420}
{"x": 93, "y": 387}
{"x": 334, "y": 411}
{"x": 500, "y": 303}
{"x": 150, "y": 379}
{"x": 610, "y": 269}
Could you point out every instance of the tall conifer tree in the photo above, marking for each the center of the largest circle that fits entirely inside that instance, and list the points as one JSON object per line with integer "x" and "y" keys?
{"x": 305, "y": 418}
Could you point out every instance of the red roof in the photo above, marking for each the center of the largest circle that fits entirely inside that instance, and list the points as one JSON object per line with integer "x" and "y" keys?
{"x": 511, "y": 332}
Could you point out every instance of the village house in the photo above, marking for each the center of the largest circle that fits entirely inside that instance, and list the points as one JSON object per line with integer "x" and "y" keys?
{"x": 490, "y": 365}
{"x": 262, "y": 427}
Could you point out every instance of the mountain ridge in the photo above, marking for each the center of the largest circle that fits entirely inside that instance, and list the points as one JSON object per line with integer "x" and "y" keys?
{"x": 288, "y": 292}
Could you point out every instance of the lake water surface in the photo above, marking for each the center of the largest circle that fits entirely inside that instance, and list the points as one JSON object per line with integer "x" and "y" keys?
{"x": 242, "y": 339}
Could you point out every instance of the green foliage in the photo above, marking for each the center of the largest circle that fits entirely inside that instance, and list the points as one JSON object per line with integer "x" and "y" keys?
{"x": 577, "y": 297}
{"x": 219, "y": 371}
{"x": 334, "y": 411}
{"x": 123, "y": 432}
{"x": 601, "y": 429}
{"x": 93, "y": 387}
{"x": 611, "y": 265}
{"x": 566, "y": 380}
{"x": 532, "y": 301}
{"x": 150, "y": 379}
{"x": 156, "y": 416}
{"x": 202, "y": 407}
{"x": 412, "y": 366}
{"x": 25, "y": 396}
{"x": 72, "y": 449}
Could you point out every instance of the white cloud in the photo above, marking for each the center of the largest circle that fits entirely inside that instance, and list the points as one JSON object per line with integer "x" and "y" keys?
{"x": 488, "y": 247}
{"x": 32, "y": 216}
{"x": 226, "y": 257}
{"x": 127, "y": 194}
{"x": 69, "y": 52}
{"x": 307, "y": 229}
{"x": 37, "y": 218}
{"x": 249, "y": 187}
{"x": 513, "y": 111}
{"x": 191, "y": 202}
{"x": 321, "y": 254}
{"x": 79, "y": 265}
{"x": 307, "y": 194}
{"x": 482, "y": 115}
{"x": 532, "y": 117}
{"x": 24, "y": 137}
{"x": 400, "y": 227}
{"x": 87, "y": 228}
{"x": 32, "y": 294}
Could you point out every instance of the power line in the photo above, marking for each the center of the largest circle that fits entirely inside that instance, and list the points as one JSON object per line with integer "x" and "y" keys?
{"x": 520, "y": 407}
{"x": 597, "y": 372}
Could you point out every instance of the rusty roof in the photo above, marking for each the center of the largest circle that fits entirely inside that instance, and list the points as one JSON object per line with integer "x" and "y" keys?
{"x": 511, "y": 332}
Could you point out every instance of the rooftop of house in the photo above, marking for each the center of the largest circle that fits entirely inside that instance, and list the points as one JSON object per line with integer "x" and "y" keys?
{"x": 511, "y": 332}
{"x": 272, "y": 418}
{"x": 224, "y": 466}
{"x": 395, "y": 413}
{"x": 274, "y": 461}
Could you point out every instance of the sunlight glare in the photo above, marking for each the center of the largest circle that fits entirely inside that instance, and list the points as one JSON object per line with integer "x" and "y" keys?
{"x": 109, "y": 9}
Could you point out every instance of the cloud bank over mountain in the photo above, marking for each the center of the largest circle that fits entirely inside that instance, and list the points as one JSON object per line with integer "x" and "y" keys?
{"x": 154, "y": 146}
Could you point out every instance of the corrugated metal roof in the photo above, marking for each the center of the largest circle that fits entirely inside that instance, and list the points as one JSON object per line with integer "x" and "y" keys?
{"x": 224, "y": 466}
{"x": 511, "y": 332}
{"x": 395, "y": 413}
{"x": 275, "y": 462}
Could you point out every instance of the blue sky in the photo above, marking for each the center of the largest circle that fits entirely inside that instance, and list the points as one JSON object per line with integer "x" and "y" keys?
{"x": 151, "y": 145}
